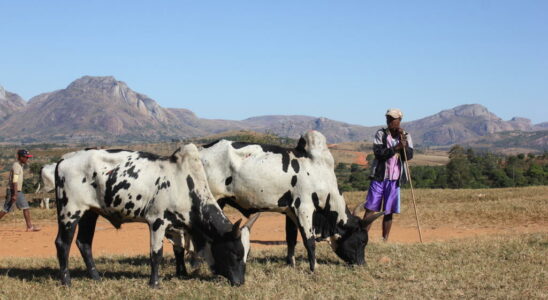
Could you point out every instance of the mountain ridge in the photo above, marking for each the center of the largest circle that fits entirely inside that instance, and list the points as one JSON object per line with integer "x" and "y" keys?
{"x": 103, "y": 109}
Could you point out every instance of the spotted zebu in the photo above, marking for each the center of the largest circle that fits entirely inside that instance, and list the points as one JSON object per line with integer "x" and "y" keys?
{"x": 170, "y": 194}
{"x": 299, "y": 183}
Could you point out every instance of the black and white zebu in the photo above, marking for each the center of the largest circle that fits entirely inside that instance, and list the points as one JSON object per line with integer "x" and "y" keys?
{"x": 170, "y": 194}
{"x": 299, "y": 183}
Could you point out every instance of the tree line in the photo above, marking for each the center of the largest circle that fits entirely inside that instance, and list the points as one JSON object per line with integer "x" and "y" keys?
{"x": 466, "y": 169}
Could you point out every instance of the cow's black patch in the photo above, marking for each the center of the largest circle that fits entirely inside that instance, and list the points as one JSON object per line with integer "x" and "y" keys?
{"x": 176, "y": 219}
{"x": 139, "y": 197}
{"x": 76, "y": 215}
{"x": 316, "y": 200}
{"x": 117, "y": 200}
{"x": 132, "y": 173}
{"x": 294, "y": 180}
{"x": 211, "y": 144}
{"x": 151, "y": 156}
{"x": 285, "y": 200}
{"x": 297, "y": 202}
{"x": 297, "y": 152}
{"x": 247, "y": 212}
{"x": 324, "y": 219}
{"x": 156, "y": 225}
{"x": 94, "y": 184}
{"x": 164, "y": 185}
{"x": 115, "y": 150}
{"x": 300, "y": 150}
{"x": 157, "y": 181}
{"x": 173, "y": 157}
{"x": 129, "y": 205}
{"x": 137, "y": 211}
{"x": 295, "y": 165}
{"x": 112, "y": 186}
{"x": 84, "y": 180}
{"x": 94, "y": 175}
{"x": 190, "y": 183}
{"x": 228, "y": 180}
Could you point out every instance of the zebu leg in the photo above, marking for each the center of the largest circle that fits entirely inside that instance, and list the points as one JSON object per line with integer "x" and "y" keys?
{"x": 304, "y": 215}
{"x": 86, "y": 230}
{"x": 157, "y": 233}
{"x": 63, "y": 241}
{"x": 179, "y": 251}
{"x": 291, "y": 238}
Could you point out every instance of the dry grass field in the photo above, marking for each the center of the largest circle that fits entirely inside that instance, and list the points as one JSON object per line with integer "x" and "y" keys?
{"x": 502, "y": 265}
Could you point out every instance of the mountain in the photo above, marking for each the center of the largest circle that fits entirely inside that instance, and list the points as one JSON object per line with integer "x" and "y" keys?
{"x": 94, "y": 108}
{"x": 9, "y": 103}
{"x": 294, "y": 126}
{"x": 462, "y": 123}
{"x": 105, "y": 110}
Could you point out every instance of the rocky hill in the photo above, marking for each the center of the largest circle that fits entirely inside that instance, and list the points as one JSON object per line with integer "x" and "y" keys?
{"x": 462, "y": 123}
{"x": 103, "y": 109}
{"x": 9, "y": 103}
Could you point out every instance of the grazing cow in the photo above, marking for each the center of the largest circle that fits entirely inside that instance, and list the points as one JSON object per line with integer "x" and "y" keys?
{"x": 299, "y": 183}
{"x": 47, "y": 179}
{"x": 47, "y": 183}
{"x": 170, "y": 194}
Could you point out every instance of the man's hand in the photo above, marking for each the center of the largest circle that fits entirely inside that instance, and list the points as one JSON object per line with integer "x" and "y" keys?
{"x": 401, "y": 145}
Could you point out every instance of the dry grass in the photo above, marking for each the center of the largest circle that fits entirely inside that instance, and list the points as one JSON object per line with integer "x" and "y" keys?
{"x": 435, "y": 159}
{"x": 464, "y": 207}
{"x": 494, "y": 268}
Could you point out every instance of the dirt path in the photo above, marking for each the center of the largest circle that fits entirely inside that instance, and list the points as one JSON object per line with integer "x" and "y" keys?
{"x": 269, "y": 231}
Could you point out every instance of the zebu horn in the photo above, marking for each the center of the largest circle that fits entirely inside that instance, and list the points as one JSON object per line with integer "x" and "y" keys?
{"x": 251, "y": 221}
{"x": 236, "y": 232}
{"x": 356, "y": 209}
{"x": 369, "y": 219}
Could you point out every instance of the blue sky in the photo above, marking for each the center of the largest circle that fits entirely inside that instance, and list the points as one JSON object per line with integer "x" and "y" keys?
{"x": 345, "y": 60}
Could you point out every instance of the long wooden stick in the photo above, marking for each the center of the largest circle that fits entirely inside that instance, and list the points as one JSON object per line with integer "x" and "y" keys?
{"x": 412, "y": 193}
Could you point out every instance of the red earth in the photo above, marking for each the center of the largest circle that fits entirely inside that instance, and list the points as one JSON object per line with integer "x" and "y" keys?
{"x": 269, "y": 231}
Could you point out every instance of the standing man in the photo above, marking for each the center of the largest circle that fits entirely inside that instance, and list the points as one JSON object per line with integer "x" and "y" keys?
{"x": 14, "y": 192}
{"x": 387, "y": 170}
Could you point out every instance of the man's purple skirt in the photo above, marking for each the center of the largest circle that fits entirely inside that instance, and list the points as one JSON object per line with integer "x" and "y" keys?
{"x": 383, "y": 194}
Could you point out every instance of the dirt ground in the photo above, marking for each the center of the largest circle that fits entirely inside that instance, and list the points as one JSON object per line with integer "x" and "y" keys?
{"x": 269, "y": 231}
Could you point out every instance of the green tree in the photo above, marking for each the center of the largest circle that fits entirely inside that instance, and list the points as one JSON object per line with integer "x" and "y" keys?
{"x": 459, "y": 174}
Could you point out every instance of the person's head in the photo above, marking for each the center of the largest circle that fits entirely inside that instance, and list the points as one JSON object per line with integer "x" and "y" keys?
{"x": 23, "y": 156}
{"x": 393, "y": 118}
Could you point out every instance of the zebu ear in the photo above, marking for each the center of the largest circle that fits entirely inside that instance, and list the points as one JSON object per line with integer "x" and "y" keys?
{"x": 236, "y": 232}
{"x": 368, "y": 220}
{"x": 251, "y": 221}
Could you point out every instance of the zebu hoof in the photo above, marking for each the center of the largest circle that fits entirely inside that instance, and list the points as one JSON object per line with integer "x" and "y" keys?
{"x": 95, "y": 275}
{"x": 65, "y": 279}
{"x": 154, "y": 285}
{"x": 290, "y": 261}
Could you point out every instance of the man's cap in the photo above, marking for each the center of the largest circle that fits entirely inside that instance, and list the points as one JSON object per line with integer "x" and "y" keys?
{"x": 23, "y": 152}
{"x": 394, "y": 113}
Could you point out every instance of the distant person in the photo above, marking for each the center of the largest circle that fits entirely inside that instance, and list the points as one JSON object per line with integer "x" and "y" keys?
{"x": 387, "y": 170}
{"x": 14, "y": 192}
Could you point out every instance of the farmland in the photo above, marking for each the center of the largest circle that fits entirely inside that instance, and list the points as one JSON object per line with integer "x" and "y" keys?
{"x": 479, "y": 243}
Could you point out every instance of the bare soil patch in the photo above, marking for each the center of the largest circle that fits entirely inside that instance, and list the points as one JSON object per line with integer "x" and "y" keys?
{"x": 269, "y": 231}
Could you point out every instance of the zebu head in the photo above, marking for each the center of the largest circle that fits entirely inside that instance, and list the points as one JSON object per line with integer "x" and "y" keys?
{"x": 350, "y": 245}
{"x": 223, "y": 245}
{"x": 230, "y": 253}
